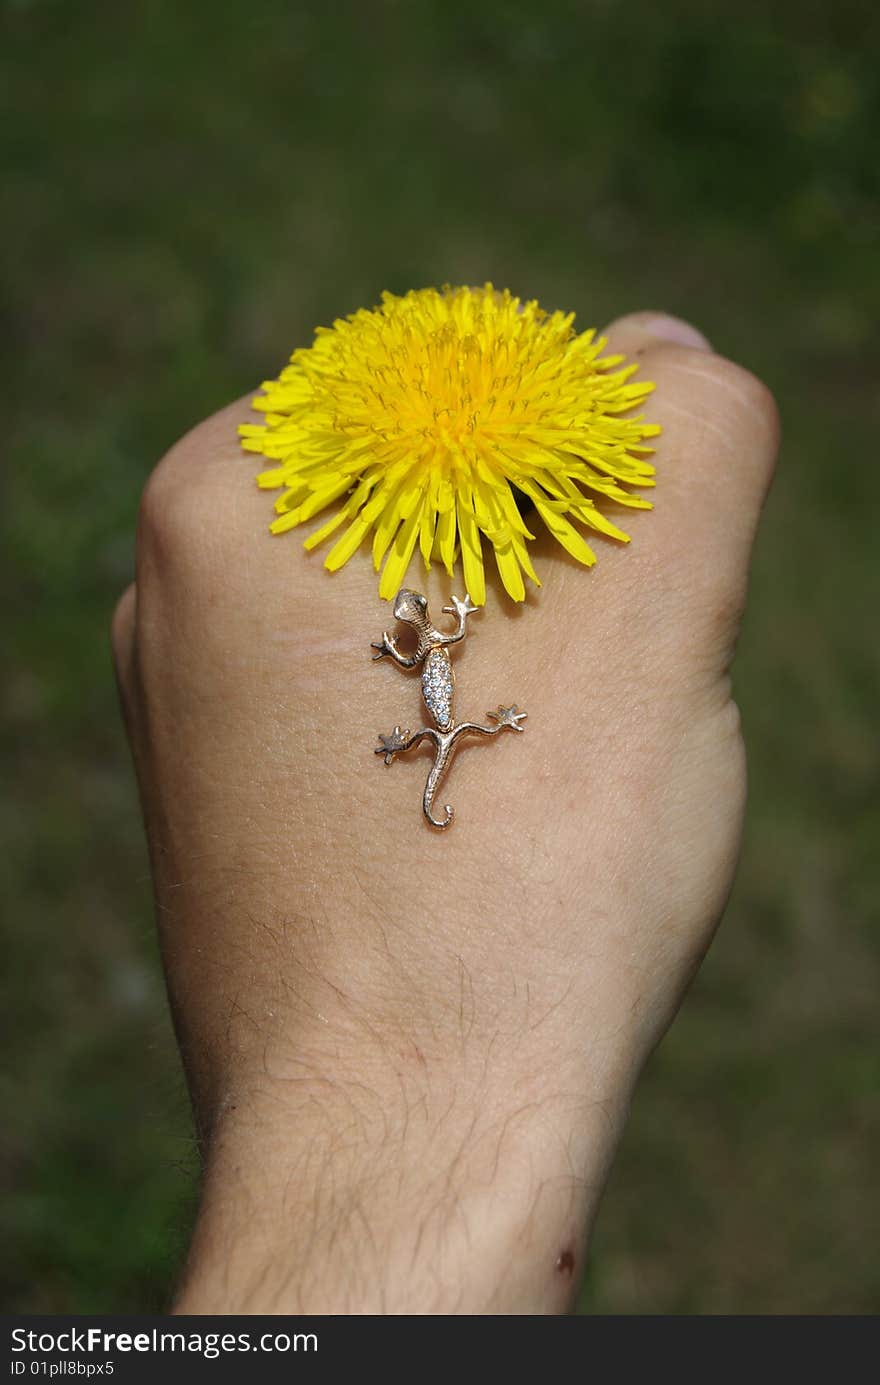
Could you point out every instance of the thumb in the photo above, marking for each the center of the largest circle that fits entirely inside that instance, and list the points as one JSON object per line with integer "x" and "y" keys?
{"x": 715, "y": 460}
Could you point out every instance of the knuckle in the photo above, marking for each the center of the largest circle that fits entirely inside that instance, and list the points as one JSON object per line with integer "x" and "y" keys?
{"x": 745, "y": 397}
{"x": 173, "y": 506}
{"x": 735, "y": 384}
{"x": 122, "y": 624}
{"x": 753, "y": 394}
{"x": 724, "y": 606}
{"x": 188, "y": 492}
{"x": 726, "y": 400}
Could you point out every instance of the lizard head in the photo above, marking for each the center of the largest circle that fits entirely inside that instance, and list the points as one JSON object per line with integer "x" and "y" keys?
{"x": 411, "y": 607}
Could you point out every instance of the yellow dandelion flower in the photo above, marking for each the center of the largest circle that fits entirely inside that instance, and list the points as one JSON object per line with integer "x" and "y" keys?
{"x": 429, "y": 416}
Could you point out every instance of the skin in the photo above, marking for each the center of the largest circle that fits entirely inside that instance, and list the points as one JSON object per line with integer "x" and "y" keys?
{"x": 411, "y": 1053}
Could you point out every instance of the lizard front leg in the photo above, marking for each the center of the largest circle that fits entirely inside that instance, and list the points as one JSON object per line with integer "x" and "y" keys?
{"x": 388, "y": 646}
{"x": 461, "y": 609}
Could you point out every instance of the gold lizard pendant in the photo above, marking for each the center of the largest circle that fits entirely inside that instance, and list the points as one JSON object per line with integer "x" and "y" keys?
{"x": 438, "y": 687}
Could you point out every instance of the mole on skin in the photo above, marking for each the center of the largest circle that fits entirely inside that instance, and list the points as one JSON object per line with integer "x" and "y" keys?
{"x": 565, "y": 1263}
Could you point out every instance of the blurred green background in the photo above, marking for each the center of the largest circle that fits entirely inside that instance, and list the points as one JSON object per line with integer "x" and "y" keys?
{"x": 190, "y": 188}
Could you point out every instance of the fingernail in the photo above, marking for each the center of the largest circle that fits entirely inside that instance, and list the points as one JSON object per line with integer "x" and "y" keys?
{"x": 674, "y": 329}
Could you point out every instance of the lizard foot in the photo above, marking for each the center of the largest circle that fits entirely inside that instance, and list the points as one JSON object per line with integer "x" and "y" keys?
{"x": 508, "y": 717}
{"x": 384, "y": 646}
{"x": 460, "y": 608}
{"x": 392, "y": 745}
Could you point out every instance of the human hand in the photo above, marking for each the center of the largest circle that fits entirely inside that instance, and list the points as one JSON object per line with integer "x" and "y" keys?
{"x": 411, "y": 1053}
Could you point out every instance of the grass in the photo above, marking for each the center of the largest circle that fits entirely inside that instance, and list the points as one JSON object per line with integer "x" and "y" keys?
{"x": 190, "y": 189}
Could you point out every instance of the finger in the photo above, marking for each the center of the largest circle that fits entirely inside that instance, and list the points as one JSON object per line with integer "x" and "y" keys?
{"x": 122, "y": 641}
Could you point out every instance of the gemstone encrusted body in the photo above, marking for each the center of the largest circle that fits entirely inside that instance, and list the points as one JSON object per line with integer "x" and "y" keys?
{"x": 437, "y": 684}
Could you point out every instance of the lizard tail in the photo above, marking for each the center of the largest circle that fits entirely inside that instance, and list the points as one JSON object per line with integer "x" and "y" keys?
{"x": 438, "y": 769}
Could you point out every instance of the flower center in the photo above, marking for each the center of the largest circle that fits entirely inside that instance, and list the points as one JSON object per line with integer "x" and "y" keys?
{"x": 399, "y": 378}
